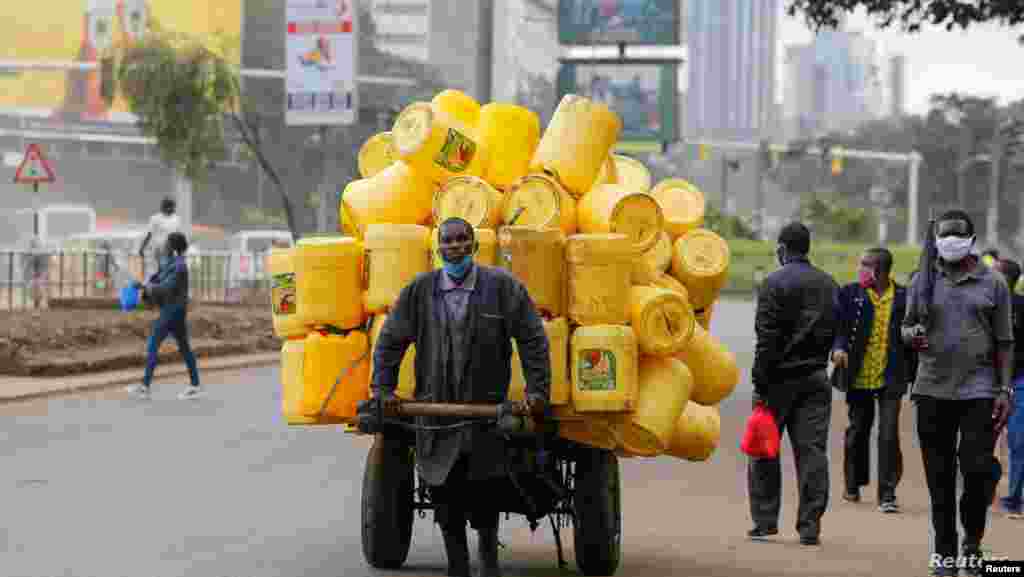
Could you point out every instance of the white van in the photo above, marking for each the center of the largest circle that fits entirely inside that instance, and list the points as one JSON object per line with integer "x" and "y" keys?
{"x": 56, "y": 223}
{"x": 248, "y": 254}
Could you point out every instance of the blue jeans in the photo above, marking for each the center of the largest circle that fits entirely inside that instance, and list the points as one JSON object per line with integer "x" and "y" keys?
{"x": 171, "y": 323}
{"x": 1015, "y": 439}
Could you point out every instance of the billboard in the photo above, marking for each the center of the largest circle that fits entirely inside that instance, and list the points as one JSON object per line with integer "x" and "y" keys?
{"x": 320, "y": 61}
{"x": 593, "y": 22}
{"x": 86, "y": 31}
{"x": 643, "y": 94}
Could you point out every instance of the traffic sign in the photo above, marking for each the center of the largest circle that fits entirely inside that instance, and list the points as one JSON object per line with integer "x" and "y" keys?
{"x": 34, "y": 167}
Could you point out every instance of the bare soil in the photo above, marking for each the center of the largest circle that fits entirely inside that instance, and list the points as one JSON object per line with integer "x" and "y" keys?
{"x": 59, "y": 342}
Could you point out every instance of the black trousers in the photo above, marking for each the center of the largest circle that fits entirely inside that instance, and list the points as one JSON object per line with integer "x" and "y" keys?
{"x": 952, "y": 431}
{"x": 460, "y": 499}
{"x": 861, "y": 406}
{"x": 803, "y": 409}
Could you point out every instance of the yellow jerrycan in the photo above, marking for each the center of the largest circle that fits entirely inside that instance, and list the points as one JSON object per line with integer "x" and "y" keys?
{"x": 376, "y": 154}
{"x": 683, "y": 205}
{"x": 458, "y": 105}
{"x": 700, "y": 260}
{"x": 576, "y": 143}
{"x": 662, "y": 320}
{"x": 604, "y": 364}
{"x": 470, "y": 198}
{"x": 663, "y": 394}
{"x": 281, "y": 266}
{"x": 714, "y": 368}
{"x": 538, "y": 200}
{"x": 697, "y": 433}
{"x": 395, "y": 254}
{"x": 436, "y": 145}
{"x": 536, "y": 256}
{"x": 558, "y": 343}
{"x": 407, "y": 370}
{"x": 632, "y": 173}
{"x": 329, "y": 281}
{"x": 614, "y": 208}
{"x": 598, "y": 267}
{"x": 510, "y": 134}
{"x": 293, "y": 356}
{"x": 395, "y": 195}
{"x": 336, "y": 376}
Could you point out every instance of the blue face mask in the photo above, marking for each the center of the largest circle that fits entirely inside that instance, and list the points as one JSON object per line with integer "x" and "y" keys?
{"x": 458, "y": 270}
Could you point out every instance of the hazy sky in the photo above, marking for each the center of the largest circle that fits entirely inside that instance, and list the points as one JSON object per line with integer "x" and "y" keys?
{"x": 986, "y": 61}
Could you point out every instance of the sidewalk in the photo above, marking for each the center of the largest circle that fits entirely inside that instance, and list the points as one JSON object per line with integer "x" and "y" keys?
{"x": 13, "y": 389}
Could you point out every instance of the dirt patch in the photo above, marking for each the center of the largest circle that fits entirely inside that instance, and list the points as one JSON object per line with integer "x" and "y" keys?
{"x": 59, "y": 342}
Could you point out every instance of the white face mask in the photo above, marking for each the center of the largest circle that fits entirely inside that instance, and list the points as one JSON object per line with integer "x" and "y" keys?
{"x": 954, "y": 248}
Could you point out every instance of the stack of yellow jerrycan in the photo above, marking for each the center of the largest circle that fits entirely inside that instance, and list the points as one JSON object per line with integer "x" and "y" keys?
{"x": 619, "y": 267}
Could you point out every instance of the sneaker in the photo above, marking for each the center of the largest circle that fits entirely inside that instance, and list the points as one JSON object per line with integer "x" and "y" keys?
{"x": 889, "y": 506}
{"x": 191, "y": 393}
{"x": 1011, "y": 507}
{"x": 758, "y": 533}
{"x": 810, "y": 540}
{"x": 138, "y": 391}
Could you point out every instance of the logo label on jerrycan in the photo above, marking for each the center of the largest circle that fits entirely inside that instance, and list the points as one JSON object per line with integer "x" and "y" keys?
{"x": 282, "y": 293}
{"x": 456, "y": 154}
{"x": 596, "y": 370}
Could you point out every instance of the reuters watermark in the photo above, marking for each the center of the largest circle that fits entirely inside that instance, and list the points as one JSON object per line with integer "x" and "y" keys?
{"x": 980, "y": 564}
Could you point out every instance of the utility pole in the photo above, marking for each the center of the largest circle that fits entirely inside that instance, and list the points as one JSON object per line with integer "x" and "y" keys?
{"x": 325, "y": 215}
{"x": 992, "y": 214}
{"x": 760, "y": 160}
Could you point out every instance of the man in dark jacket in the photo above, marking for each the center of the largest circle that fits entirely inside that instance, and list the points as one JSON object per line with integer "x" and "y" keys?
{"x": 462, "y": 319}
{"x": 795, "y": 326}
{"x": 872, "y": 366}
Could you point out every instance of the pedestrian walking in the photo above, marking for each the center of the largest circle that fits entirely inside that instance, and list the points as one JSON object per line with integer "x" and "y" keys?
{"x": 1013, "y": 502}
{"x": 462, "y": 319}
{"x": 872, "y": 367}
{"x": 161, "y": 225}
{"x": 168, "y": 289}
{"x": 37, "y": 273}
{"x": 797, "y": 313}
{"x": 960, "y": 324}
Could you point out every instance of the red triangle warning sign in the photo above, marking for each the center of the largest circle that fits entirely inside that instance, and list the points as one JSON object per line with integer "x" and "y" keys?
{"x": 34, "y": 167}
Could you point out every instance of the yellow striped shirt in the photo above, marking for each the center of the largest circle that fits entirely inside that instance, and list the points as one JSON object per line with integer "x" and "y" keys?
{"x": 872, "y": 371}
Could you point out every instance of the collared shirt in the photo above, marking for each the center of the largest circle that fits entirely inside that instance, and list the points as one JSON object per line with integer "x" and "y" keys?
{"x": 456, "y": 306}
{"x": 876, "y": 356}
{"x": 970, "y": 316}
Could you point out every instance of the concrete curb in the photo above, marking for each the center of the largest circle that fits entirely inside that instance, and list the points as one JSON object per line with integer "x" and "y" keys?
{"x": 14, "y": 390}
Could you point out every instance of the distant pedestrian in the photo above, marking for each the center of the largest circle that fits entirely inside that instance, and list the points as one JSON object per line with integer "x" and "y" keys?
{"x": 161, "y": 225}
{"x": 1013, "y": 502}
{"x": 963, "y": 387}
{"x": 168, "y": 289}
{"x": 797, "y": 313}
{"x": 37, "y": 273}
{"x": 872, "y": 366}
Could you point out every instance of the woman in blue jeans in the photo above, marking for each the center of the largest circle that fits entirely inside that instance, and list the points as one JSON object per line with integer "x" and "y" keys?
{"x": 1013, "y": 503}
{"x": 168, "y": 289}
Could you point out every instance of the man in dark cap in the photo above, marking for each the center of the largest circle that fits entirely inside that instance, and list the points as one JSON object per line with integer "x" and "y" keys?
{"x": 797, "y": 317}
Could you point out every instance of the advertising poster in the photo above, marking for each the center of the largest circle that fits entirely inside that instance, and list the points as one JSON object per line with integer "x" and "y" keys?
{"x": 643, "y": 95}
{"x": 321, "y": 62}
{"x": 88, "y": 31}
{"x": 593, "y": 22}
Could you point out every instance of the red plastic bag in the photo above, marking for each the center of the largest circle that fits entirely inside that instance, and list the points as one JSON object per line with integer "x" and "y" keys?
{"x": 761, "y": 439}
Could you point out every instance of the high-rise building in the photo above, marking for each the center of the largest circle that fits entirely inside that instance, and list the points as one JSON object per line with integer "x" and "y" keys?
{"x": 731, "y": 87}
{"x": 835, "y": 83}
{"x": 897, "y": 85}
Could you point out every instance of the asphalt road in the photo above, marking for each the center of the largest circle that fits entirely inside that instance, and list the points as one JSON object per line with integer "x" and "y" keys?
{"x": 105, "y": 486}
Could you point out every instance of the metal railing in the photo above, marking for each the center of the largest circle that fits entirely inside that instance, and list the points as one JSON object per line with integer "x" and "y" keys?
{"x": 31, "y": 279}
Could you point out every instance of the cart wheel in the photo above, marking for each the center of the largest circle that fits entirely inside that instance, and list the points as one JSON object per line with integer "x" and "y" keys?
{"x": 597, "y": 504}
{"x": 387, "y": 508}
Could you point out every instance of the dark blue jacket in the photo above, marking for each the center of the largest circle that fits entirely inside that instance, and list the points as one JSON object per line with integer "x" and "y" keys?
{"x": 856, "y": 318}
{"x": 169, "y": 286}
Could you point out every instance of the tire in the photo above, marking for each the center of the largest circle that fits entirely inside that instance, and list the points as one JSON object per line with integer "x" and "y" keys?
{"x": 387, "y": 504}
{"x": 597, "y": 505}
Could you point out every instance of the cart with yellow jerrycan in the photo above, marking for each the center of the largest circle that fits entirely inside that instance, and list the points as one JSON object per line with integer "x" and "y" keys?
{"x": 548, "y": 477}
